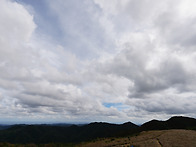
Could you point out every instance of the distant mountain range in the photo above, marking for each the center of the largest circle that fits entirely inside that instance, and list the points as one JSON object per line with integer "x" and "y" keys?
{"x": 73, "y": 133}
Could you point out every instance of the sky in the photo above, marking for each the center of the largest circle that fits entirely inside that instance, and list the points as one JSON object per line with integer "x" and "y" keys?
{"x": 97, "y": 60}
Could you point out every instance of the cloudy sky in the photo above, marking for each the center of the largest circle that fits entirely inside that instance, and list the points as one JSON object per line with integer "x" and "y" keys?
{"x": 97, "y": 60}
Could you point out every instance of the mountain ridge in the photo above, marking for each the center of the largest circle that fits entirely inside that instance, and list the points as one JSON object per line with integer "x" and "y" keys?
{"x": 176, "y": 122}
{"x": 75, "y": 134}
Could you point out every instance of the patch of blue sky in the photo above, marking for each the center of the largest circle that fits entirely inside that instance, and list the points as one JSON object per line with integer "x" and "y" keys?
{"x": 119, "y": 106}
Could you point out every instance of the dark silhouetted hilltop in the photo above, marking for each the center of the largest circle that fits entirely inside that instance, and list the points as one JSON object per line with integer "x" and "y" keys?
{"x": 154, "y": 125}
{"x": 79, "y": 133}
{"x": 180, "y": 122}
{"x": 177, "y": 122}
{"x": 63, "y": 134}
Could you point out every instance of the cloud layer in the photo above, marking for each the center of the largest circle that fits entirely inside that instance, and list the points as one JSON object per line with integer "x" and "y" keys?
{"x": 112, "y": 61}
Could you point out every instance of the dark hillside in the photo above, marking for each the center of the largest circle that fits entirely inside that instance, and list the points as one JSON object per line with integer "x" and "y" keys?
{"x": 100, "y": 130}
{"x": 59, "y": 134}
{"x": 3, "y": 127}
{"x": 75, "y": 134}
{"x": 154, "y": 125}
{"x": 177, "y": 122}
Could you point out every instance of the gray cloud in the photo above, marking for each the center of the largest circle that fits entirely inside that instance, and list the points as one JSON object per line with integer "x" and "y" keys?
{"x": 80, "y": 24}
{"x": 120, "y": 52}
{"x": 157, "y": 58}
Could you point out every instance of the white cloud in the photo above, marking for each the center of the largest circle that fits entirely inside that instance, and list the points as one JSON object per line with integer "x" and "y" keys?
{"x": 40, "y": 79}
{"x": 79, "y": 23}
{"x": 139, "y": 54}
{"x": 16, "y": 23}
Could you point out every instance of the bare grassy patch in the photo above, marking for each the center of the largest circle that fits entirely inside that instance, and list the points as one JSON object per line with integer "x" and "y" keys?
{"x": 164, "y": 138}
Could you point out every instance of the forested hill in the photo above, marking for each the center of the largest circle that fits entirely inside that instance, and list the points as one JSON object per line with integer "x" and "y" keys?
{"x": 74, "y": 133}
{"x": 177, "y": 122}
{"x": 64, "y": 134}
